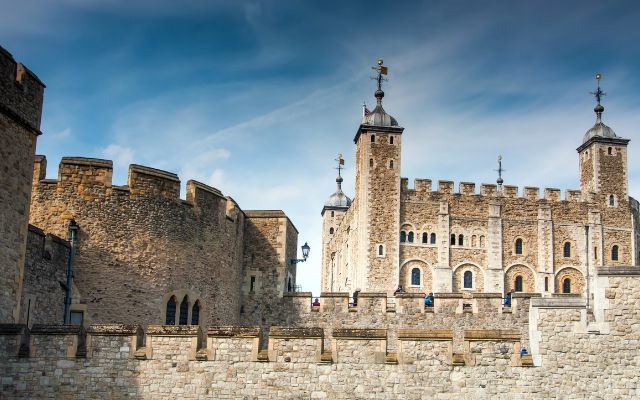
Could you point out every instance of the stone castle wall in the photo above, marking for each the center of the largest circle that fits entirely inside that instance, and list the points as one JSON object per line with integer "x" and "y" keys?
{"x": 572, "y": 355}
{"x": 21, "y": 95}
{"x": 140, "y": 244}
{"x": 44, "y": 271}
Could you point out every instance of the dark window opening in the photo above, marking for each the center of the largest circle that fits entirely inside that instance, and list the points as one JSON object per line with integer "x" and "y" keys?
{"x": 171, "y": 312}
{"x": 453, "y": 239}
{"x": 184, "y": 311}
{"x": 614, "y": 253}
{"x": 333, "y": 214}
{"x": 425, "y": 237}
{"x": 612, "y": 200}
{"x": 403, "y": 237}
{"x": 252, "y": 286}
{"x": 567, "y": 249}
{"x": 415, "y": 276}
{"x": 195, "y": 313}
{"x": 391, "y": 164}
{"x": 373, "y": 139}
{"x": 433, "y": 238}
{"x": 546, "y": 283}
{"x": 468, "y": 280}
{"x": 518, "y": 283}
{"x": 566, "y": 286}
{"x": 330, "y": 231}
{"x": 410, "y": 237}
{"x": 390, "y": 139}
{"x": 371, "y": 162}
{"x": 460, "y": 240}
{"x": 76, "y": 317}
{"x": 380, "y": 250}
{"x": 289, "y": 285}
{"x": 518, "y": 246}
{"x": 609, "y": 150}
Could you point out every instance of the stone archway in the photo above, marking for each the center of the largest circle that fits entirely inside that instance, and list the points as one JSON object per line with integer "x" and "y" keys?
{"x": 527, "y": 275}
{"x": 477, "y": 278}
{"x": 426, "y": 277}
{"x": 570, "y": 278}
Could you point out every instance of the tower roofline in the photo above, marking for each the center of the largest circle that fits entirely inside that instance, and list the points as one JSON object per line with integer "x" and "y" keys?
{"x": 605, "y": 140}
{"x": 382, "y": 129}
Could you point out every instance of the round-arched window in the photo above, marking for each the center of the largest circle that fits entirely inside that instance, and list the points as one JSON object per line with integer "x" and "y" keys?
{"x": 468, "y": 280}
{"x": 415, "y": 276}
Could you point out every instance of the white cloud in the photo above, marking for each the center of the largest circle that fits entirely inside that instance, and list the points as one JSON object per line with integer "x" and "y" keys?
{"x": 121, "y": 156}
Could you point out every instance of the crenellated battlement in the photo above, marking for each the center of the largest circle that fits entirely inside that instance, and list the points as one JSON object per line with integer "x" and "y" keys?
{"x": 21, "y": 92}
{"x": 447, "y": 187}
{"x": 91, "y": 178}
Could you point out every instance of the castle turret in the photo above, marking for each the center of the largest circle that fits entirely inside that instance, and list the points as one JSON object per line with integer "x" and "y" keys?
{"x": 20, "y": 113}
{"x": 332, "y": 214}
{"x": 603, "y": 160}
{"x": 378, "y": 142}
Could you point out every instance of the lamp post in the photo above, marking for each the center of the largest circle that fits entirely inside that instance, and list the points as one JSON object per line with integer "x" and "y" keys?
{"x": 73, "y": 230}
{"x": 305, "y": 254}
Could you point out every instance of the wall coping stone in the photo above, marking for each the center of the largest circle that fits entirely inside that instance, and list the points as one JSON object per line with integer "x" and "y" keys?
{"x": 558, "y": 302}
{"x": 496, "y": 295}
{"x": 372, "y": 294}
{"x": 524, "y": 295}
{"x": 41, "y": 329}
{"x": 619, "y": 271}
{"x": 447, "y": 295}
{"x": 141, "y": 169}
{"x": 297, "y": 294}
{"x": 91, "y": 162}
{"x": 410, "y": 295}
{"x": 173, "y": 330}
{"x": 425, "y": 334}
{"x": 234, "y": 331}
{"x": 282, "y": 332}
{"x": 359, "y": 334}
{"x": 114, "y": 329}
{"x": 492, "y": 334}
{"x": 333, "y": 294}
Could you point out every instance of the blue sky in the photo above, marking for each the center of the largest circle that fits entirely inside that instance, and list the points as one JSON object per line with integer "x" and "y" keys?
{"x": 257, "y": 97}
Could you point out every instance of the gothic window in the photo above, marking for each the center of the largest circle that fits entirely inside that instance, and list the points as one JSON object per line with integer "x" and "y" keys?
{"x": 330, "y": 231}
{"x": 184, "y": 311}
{"x": 518, "y": 283}
{"x": 546, "y": 283}
{"x": 567, "y": 249}
{"x": 171, "y": 312}
{"x": 425, "y": 237}
{"x": 415, "y": 276}
{"x": 391, "y": 164}
{"x": 612, "y": 200}
{"x": 614, "y": 253}
{"x": 403, "y": 236}
{"x": 453, "y": 239}
{"x": 433, "y": 238}
{"x": 195, "y": 313}
{"x": 468, "y": 279}
{"x": 460, "y": 240}
{"x": 390, "y": 139}
{"x": 373, "y": 139}
{"x": 518, "y": 246}
{"x": 371, "y": 163}
{"x": 566, "y": 286}
{"x": 410, "y": 237}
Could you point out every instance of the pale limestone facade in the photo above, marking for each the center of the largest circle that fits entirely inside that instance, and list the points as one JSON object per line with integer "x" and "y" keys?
{"x": 427, "y": 239}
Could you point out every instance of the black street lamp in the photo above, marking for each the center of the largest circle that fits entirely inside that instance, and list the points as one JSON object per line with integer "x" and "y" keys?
{"x": 305, "y": 254}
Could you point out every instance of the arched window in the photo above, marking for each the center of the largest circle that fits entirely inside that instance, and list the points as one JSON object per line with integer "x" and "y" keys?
{"x": 481, "y": 241}
{"x": 546, "y": 283}
{"x": 567, "y": 249}
{"x": 403, "y": 236}
{"x": 391, "y": 164}
{"x": 614, "y": 253}
{"x": 390, "y": 139}
{"x": 609, "y": 150}
{"x": 380, "y": 250}
{"x": 453, "y": 239}
{"x": 195, "y": 313}
{"x": 468, "y": 279}
{"x": 171, "y": 312}
{"x": 184, "y": 311}
{"x": 425, "y": 237}
{"x": 415, "y": 276}
{"x": 474, "y": 240}
{"x": 371, "y": 163}
{"x": 460, "y": 240}
{"x": 330, "y": 231}
{"x": 612, "y": 200}
{"x": 410, "y": 237}
{"x": 518, "y": 246}
{"x": 373, "y": 139}
{"x": 332, "y": 214}
{"x": 566, "y": 286}
{"x": 433, "y": 238}
{"x": 518, "y": 283}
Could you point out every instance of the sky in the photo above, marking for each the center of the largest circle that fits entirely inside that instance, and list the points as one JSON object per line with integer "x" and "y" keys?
{"x": 256, "y": 98}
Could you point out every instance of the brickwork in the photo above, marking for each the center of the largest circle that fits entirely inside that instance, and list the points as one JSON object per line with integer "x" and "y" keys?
{"x": 20, "y": 112}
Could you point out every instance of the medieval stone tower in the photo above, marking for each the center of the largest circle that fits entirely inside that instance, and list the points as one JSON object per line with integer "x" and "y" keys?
{"x": 21, "y": 95}
{"x": 378, "y": 148}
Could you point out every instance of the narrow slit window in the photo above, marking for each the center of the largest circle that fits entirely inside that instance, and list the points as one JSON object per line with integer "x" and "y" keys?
{"x": 612, "y": 200}
{"x": 546, "y": 283}
{"x": 614, "y": 253}
{"x": 390, "y": 139}
{"x": 567, "y": 249}
{"x": 252, "y": 286}
{"x": 330, "y": 231}
{"x": 391, "y": 164}
{"x": 518, "y": 246}
{"x": 453, "y": 239}
{"x": 380, "y": 250}
{"x": 371, "y": 163}
{"x": 373, "y": 138}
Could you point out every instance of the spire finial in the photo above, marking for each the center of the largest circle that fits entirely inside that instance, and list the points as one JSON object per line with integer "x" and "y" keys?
{"x": 381, "y": 70}
{"x": 499, "y": 181}
{"x": 340, "y": 162}
{"x": 598, "y": 95}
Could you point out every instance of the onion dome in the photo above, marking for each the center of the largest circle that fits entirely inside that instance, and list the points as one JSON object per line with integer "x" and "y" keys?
{"x": 599, "y": 129}
{"x": 338, "y": 199}
{"x": 378, "y": 116}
